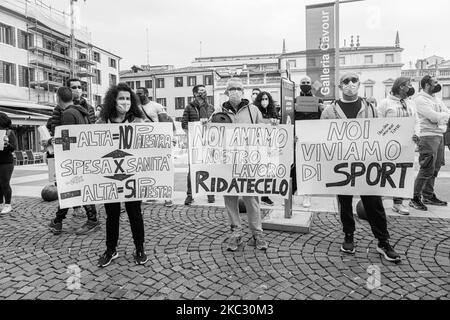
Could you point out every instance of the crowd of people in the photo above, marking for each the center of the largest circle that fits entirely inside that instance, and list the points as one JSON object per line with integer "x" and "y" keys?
{"x": 122, "y": 105}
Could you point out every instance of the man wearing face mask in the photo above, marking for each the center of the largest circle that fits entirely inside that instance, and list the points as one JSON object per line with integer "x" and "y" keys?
{"x": 198, "y": 109}
{"x": 433, "y": 119}
{"x": 241, "y": 111}
{"x": 75, "y": 85}
{"x": 73, "y": 114}
{"x": 351, "y": 106}
{"x": 399, "y": 104}
{"x": 150, "y": 108}
{"x": 305, "y": 87}
{"x": 255, "y": 92}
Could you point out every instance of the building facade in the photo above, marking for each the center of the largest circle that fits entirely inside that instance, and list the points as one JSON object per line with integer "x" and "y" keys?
{"x": 37, "y": 56}
{"x": 169, "y": 86}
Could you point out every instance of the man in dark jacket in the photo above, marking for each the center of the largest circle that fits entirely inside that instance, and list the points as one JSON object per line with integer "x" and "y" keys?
{"x": 198, "y": 109}
{"x": 73, "y": 114}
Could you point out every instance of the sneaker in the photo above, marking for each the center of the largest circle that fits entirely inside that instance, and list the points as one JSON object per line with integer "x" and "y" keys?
{"x": 400, "y": 209}
{"x": 55, "y": 227}
{"x": 168, "y": 203}
{"x": 434, "y": 202}
{"x": 348, "y": 246}
{"x": 267, "y": 201}
{"x": 188, "y": 200}
{"x": 6, "y": 208}
{"x": 259, "y": 243}
{"x": 140, "y": 257}
{"x": 306, "y": 201}
{"x": 211, "y": 199}
{"x": 417, "y": 204}
{"x": 385, "y": 249}
{"x": 106, "y": 258}
{"x": 88, "y": 227}
{"x": 234, "y": 242}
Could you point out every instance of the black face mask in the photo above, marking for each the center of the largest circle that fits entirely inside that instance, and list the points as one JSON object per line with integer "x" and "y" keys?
{"x": 306, "y": 88}
{"x": 411, "y": 92}
{"x": 437, "y": 88}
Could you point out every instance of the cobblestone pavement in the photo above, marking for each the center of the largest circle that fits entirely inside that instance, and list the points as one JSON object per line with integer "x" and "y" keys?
{"x": 188, "y": 259}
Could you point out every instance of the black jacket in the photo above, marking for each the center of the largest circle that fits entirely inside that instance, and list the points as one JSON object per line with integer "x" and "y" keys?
{"x": 75, "y": 114}
{"x": 57, "y": 114}
{"x": 6, "y": 155}
{"x": 308, "y": 115}
{"x": 194, "y": 112}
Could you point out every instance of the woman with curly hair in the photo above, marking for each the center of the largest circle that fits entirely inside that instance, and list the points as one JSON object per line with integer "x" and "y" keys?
{"x": 6, "y": 161}
{"x": 121, "y": 106}
{"x": 265, "y": 104}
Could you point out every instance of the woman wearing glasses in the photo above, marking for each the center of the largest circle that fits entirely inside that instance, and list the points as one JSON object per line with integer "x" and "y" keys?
{"x": 265, "y": 104}
{"x": 397, "y": 105}
{"x": 121, "y": 106}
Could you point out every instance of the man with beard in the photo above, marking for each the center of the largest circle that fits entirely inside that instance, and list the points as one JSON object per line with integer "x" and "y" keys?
{"x": 198, "y": 109}
{"x": 433, "y": 118}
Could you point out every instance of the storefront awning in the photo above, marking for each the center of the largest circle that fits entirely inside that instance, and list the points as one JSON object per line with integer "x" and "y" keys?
{"x": 25, "y": 112}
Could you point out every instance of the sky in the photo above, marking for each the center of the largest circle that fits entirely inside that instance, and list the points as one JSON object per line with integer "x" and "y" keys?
{"x": 233, "y": 27}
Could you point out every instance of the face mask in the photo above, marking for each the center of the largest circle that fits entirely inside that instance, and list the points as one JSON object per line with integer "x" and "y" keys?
{"x": 437, "y": 88}
{"x": 141, "y": 98}
{"x": 305, "y": 88}
{"x": 411, "y": 92}
{"x": 123, "y": 106}
{"x": 350, "y": 89}
{"x": 264, "y": 103}
{"x": 235, "y": 97}
{"x": 202, "y": 95}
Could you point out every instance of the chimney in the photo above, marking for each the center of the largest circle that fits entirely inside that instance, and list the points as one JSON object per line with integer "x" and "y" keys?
{"x": 284, "y": 46}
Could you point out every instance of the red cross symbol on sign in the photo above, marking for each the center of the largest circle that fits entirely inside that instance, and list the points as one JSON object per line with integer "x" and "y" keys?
{"x": 65, "y": 140}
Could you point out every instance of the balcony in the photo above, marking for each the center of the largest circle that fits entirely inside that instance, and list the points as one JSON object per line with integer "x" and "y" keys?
{"x": 84, "y": 73}
{"x": 416, "y": 74}
{"x": 86, "y": 62}
{"x": 50, "y": 64}
{"x": 48, "y": 52}
{"x": 46, "y": 84}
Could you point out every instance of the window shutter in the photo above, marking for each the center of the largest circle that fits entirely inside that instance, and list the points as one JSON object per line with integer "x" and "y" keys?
{"x": 21, "y": 76}
{"x": 13, "y": 74}
{"x": 2, "y": 72}
{"x": 13, "y": 36}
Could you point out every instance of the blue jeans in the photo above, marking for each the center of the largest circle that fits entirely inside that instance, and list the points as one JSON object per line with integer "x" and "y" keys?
{"x": 431, "y": 158}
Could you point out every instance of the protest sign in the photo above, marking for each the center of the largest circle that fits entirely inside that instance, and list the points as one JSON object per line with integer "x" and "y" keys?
{"x": 307, "y": 104}
{"x": 2, "y": 137}
{"x": 240, "y": 159}
{"x": 51, "y": 170}
{"x": 356, "y": 157}
{"x": 106, "y": 163}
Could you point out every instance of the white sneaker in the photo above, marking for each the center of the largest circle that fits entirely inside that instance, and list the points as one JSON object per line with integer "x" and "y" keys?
{"x": 7, "y": 208}
{"x": 400, "y": 209}
{"x": 307, "y": 201}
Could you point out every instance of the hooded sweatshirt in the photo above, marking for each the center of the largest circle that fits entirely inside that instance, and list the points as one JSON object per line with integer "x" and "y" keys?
{"x": 433, "y": 115}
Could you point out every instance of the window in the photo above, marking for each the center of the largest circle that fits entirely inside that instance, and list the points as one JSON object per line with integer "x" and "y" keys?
{"x": 207, "y": 80}
{"x": 148, "y": 83}
{"x": 64, "y": 51}
{"x": 161, "y": 101}
{"x": 368, "y": 91}
{"x": 368, "y": 59}
{"x": 26, "y": 75}
{"x": 210, "y": 100}
{"x": 389, "y": 58}
{"x": 112, "y": 79}
{"x": 179, "y": 103}
{"x": 192, "y": 81}
{"x": 387, "y": 90}
{"x": 24, "y": 39}
{"x": 311, "y": 62}
{"x": 178, "y": 82}
{"x": 341, "y": 61}
{"x": 130, "y": 84}
{"x": 7, "y": 72}
{"x": 7, "y": 34}
{"x": 190, "y": 99}
{"x": 138, "y": 84}
{"x": 160, "y": 83}
{"x": 97, "y": 79}
{"x": 96, "y": 56}
{"x": 97, "y": 99}
{"x": 112, "y": 63}
{"x": 446, "y": 91}
{"x": 292, "y": 63}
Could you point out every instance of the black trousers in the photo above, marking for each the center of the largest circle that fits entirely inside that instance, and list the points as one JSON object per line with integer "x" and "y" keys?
{"x": 376, "y": 216}
{"x": 91, "y": 213}
{"x": 6, "y": 171}
{"x": 134, "y": 212}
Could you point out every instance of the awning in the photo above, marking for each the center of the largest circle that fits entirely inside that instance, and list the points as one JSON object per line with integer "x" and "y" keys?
{"x": 25, "y": 112}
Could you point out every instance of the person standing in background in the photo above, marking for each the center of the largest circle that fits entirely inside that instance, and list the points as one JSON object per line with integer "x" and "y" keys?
{"x": 6, "y": 162}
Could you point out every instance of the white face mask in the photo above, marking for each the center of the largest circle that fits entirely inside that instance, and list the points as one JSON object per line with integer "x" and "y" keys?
{"x": 350, "y": 89}
{"x": 235, "y": 97}
{"x": 264, "y": 103}
{"x": 123, "y": 102}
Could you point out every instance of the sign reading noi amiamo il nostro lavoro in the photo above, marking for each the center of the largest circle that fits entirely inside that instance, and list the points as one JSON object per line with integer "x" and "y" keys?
{"x": 104, "y": 163}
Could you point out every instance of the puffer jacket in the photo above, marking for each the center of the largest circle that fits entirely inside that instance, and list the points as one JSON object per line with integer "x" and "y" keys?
{"x": 245, "y": 112}
{"x": 194, "y": 112}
